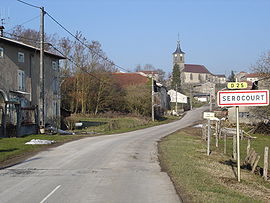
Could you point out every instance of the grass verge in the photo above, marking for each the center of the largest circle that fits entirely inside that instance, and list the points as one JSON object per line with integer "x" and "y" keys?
{"x": 119, "y": 124}
{"x": 201, "y": 178}
{"x": 13, "y": 150}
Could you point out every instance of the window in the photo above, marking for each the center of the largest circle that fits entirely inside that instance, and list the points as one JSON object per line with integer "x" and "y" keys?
{"x": 1, "y": 52}
{"x": 55, "y": 108}
{"x": 21, "y": 80}
{"x": 20, "y": 57}
{"x": 54, "y": 65}
{"x": 55, "y": 85}
{"x": 191, "y": 76}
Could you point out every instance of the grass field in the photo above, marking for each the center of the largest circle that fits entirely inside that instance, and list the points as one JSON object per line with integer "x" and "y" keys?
{"x": 201, "y": 178}
{"x": 13, "y": 150}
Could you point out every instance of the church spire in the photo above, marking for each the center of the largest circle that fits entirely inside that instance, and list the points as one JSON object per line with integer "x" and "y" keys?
{"x": 179, "y": 56}
{"x": 178, "y": 48}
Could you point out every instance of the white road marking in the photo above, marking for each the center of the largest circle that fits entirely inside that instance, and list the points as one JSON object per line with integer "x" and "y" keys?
{"x": 50, "y": 193}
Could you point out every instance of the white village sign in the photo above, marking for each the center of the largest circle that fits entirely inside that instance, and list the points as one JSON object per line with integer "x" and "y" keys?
{"x": 243, "y": 98}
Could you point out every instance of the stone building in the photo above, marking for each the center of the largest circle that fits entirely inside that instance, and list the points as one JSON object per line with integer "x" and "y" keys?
{"x": 20, "y": 84}
{"x": 194, "y": 73}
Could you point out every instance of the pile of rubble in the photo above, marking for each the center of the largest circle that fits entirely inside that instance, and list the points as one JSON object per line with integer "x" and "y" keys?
{"x": 262, "y": 128}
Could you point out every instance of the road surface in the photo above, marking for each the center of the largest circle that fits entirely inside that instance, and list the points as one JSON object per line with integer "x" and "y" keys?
{"x": 120, "y": 168}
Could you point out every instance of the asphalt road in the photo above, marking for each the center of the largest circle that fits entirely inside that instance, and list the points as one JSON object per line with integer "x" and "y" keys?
{"x": 121, "y": 168}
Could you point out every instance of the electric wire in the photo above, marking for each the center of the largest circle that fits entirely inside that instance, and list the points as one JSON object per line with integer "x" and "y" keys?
{"x": 92, "y": 75}
{"x": 28, "y": 4}
{"x": 104, "y": 58}
{"x": 23, "y": 23}
{"x": 74, "y": 63}
{"x": 60, "y": 52}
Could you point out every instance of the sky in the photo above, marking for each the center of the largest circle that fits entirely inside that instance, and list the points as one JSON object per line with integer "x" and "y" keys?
{"x": 223, "y": 35}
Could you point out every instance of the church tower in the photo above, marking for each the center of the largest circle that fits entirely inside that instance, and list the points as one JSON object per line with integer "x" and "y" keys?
{"x": 179, "y": 57}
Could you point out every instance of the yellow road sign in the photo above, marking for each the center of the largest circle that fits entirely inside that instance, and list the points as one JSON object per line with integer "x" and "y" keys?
{"x": 237, "y": 85}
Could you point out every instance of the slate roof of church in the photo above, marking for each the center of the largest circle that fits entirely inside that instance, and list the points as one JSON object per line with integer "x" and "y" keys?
{"x": 193, "y": 68}
{"x": 178, "y": 50}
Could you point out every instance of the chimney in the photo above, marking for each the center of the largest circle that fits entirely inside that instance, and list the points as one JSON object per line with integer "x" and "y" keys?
{"x": 2, "y": 30}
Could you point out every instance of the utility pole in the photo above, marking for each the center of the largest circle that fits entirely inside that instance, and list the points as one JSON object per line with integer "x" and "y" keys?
{"x": 41, "y": 70}
{"x": 153, "y": 110}
{"x": 238, "y": 142}
{"x": 176, "y": 99}
{"x": 210, "y": 100}
{"x": 190, "y": 98}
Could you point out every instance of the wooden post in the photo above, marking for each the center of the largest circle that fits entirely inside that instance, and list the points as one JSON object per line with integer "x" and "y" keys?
{"x": 252, "y": 154}
{"x": 253, "y": 159}
{"x": 248, "y": 146}
{"x": 208, "y": 137}
{"x": 225, "y": 143}
{"x": 255, "y": 164}
{"x": 247, "y": 159}
{"x": 265, "y": 163}
{"x": 216, "y": 134}
{"x": 204, "y": 129}
{"x": 241, "y": 134}
{"x": 234, "y": 146}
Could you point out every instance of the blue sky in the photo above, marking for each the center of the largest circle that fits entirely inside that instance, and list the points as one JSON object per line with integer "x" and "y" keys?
{"x": 223, "y": 35}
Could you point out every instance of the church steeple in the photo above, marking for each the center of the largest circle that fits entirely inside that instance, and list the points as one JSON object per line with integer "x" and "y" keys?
{"x": 178, "y": 56}
{"x": 178, "y": 49}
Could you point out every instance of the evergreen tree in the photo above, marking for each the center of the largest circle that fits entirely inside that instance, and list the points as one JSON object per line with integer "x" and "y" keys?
{"x": 176, "y": 80}
{"x": 231, "y": 77}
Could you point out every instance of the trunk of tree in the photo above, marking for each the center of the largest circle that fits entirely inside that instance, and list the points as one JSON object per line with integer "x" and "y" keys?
{"x": 98, "y": 98}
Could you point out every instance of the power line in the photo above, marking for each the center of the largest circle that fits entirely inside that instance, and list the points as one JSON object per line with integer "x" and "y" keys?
{"x": 68, "y": 58}
{"x": 24, "y": 22}
{"x": 74, "y": 63}
{"x": 104, "y": 58}
{"x": 92, "y": 75}
{"x": 28, "y": 4}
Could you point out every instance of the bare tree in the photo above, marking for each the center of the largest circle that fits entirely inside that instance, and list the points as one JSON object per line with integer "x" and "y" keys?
{"x": 262, "y": 68}
{"x": 149, "y": 67}
{"x": 263, "y": 65}
{"x": 138, "y": 68}
{"x": 32, "y": 37}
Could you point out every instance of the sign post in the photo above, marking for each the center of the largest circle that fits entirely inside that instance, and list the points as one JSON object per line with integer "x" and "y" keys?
{"x": 242, "y": 98}
{"x": 238, "y": 144}
{"x": 208, "y": 116}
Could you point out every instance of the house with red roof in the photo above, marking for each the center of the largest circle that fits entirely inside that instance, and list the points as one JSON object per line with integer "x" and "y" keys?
{"x": 252, "y": 77}
{"x": 149, "y": 74}
{"x": 161, "y": 97}
{"x": 129, "y": 79}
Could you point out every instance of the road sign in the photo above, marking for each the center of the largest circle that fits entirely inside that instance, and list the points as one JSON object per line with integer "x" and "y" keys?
{"x": 237, "y": 85}
{"x": 208, "y": 115}
{"x": 243, "y": 98}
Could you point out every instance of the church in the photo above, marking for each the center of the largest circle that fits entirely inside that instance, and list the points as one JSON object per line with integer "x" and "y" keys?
{"x": 192, "y": 74}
